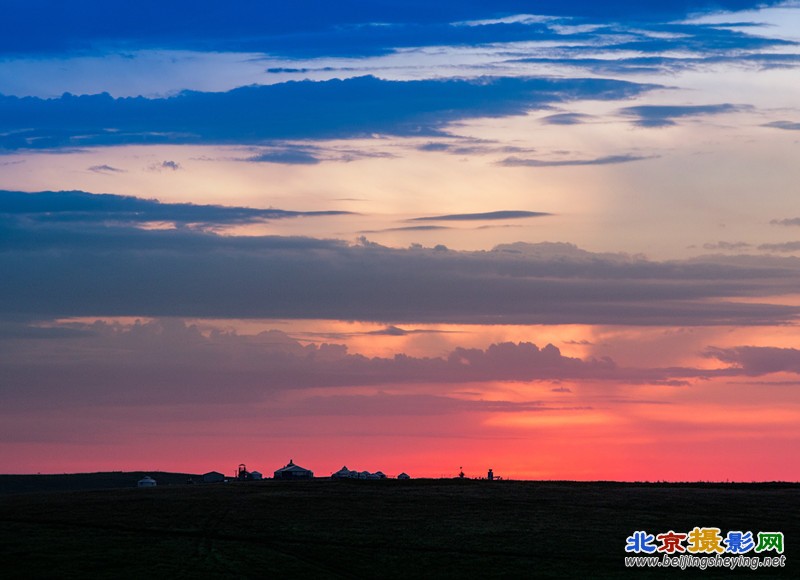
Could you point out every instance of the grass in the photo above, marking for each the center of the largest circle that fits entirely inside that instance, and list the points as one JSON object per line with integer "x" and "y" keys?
{"x": 88, "y": 481}
{"x": 369, "y": 529}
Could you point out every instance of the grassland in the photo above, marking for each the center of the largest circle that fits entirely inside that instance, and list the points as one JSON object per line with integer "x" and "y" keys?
{"x": 87, "y": 481}
{"x": 376, "y": 529}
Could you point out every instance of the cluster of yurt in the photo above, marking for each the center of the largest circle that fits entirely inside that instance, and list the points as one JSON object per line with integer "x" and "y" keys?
{"x": 345, "y": 473}
{"x": 290, "y": 471}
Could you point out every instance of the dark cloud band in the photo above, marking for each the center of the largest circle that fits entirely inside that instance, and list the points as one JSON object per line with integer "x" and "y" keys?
{"x": 80, "y": 207}
{"x": 361, "y": 106}
{"x": 63, "y": 267}
{"x": 486, "y": 216}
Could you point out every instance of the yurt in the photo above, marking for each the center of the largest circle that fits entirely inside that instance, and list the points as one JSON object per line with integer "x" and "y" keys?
{"x": 292, "y": 471}
{"x": 146, "y": 481}
{"x": 213, "y": 477}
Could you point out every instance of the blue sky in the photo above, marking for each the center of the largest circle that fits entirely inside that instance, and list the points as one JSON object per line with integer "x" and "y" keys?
{"x": 51, "y": 26}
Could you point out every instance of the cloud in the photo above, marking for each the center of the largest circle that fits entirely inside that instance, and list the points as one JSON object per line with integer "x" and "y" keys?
{"x": 781, "y": 247}
{"x": 390, "y": 330}
{"x": 565, "y": 119}
{"x": 665, "y": 115}
{"x": 698, "y": 38}
{"x": 492, "y": 215}
{"x": 467, "y": 146}
{"x": 396, "y": 331}
{"x": 607, "y": 160}
{"x": 757, "y": 360}
{"x": 307, "y": 26}
{"x": 10, "y": 330}
{"x": 498, "y": 226}
{"x": 80, "y": 207}
{"x": 728, "y": 246}
{"x": 105, "y": 169}
{"x": 360, "y": 106}
{"x": 434, "y": 146}
{"x": 786, "y": 222}
{"x": 407, "y": 229}
{"x": 171, "y": 165}
{"x": 169, "y": 361}
{"x": 102, "y": 265}
{"x": 671, "y": 383}
{"x": 294, "y": 156}
{"x": 625, "y": 34}
{"x": 700, "y": 60}
{"x": 785, "y": 125}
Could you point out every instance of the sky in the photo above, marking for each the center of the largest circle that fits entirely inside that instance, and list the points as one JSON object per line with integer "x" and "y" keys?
{"x": 556, "y": 239}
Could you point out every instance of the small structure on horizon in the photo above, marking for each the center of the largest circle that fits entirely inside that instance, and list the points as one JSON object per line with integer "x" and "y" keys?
{"x": 345, "y": 473}
{"x": 404, "y": 475}
{"x": 490, "y": 475}
{"x": 256, "y": 475}
{"x": 242, "y": 474}
{"x": 292, "y": 471}
{"x": 146, "y": 481}
{"x": 213, "y": 477}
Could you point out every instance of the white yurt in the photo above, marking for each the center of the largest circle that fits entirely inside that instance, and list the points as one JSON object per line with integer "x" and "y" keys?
{"x": 146, "y": 481}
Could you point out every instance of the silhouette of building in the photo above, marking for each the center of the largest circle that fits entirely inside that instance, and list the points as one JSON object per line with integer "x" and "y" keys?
{"x": 292, "y": 471}
{"x": 213, "y": 477}
{"x": 404, "y": 475}
{"x": 146, "y": 481}
{"x": 344, "y": 473}
{"x": 256, "y": 475}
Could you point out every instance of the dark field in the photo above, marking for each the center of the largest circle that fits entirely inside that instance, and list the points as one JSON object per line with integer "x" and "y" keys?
{"x": 88, "y": 481}
{"x": 376, "y": 529}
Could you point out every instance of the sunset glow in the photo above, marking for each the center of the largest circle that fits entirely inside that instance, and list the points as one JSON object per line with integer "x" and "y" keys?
{"x": 553, "y": 239}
